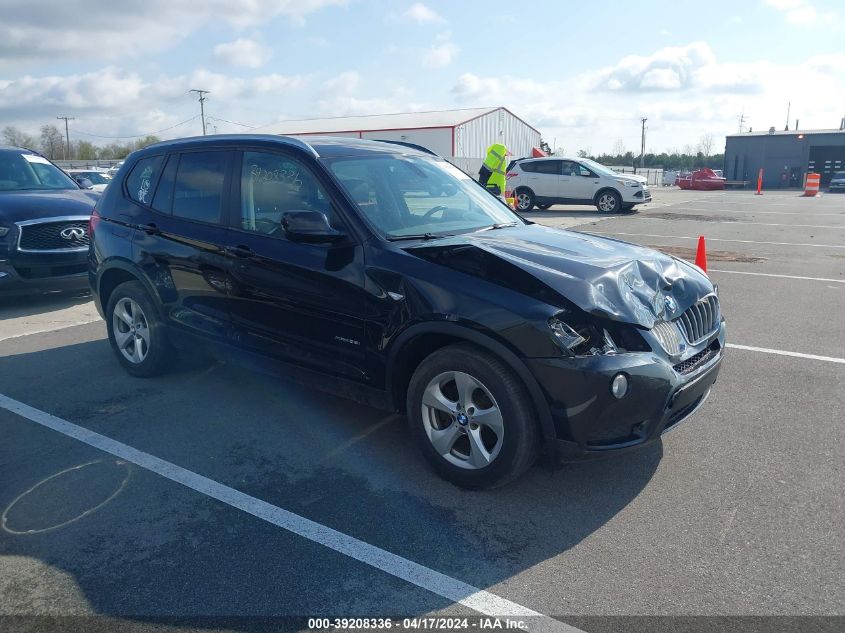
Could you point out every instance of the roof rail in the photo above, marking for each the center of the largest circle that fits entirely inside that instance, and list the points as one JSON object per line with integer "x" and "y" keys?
{"x": 406, "y": 144}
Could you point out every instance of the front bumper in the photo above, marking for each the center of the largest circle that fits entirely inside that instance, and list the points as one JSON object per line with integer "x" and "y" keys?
{"x": 36, "y": 273}
{"x": 590, "y": 422}
{"x": 837, "y": 186}
{"x": 640, "y": 196}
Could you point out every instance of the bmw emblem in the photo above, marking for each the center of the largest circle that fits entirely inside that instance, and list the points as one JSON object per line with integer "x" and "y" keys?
{"x": 670, "y": 304}
{"x": 462, "y": 419}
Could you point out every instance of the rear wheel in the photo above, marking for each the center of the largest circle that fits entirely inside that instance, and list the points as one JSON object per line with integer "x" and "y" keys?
{"x": 472, "y": 417}
{"x": 136, "y": 332}
{"x": 524, "y": 200}
{"x": 609, "y": 201}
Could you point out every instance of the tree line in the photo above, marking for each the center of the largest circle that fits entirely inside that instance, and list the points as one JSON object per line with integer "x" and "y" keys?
{"x": 689, "y": 158}
{"x": 51, "y": 143}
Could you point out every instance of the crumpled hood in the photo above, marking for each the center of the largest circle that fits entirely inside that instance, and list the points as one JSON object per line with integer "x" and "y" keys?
{"x": 602, "y": 276}
{"x": 16, "y": 206}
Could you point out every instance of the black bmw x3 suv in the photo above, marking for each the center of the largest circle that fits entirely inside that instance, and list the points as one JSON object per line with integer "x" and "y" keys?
{"x": 389, "y": 275}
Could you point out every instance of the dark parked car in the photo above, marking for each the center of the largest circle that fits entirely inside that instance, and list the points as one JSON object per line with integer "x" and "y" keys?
{"x": 43, "y": 225}
{"x": 499, "y": 338}
{"x": 837, "y": 182}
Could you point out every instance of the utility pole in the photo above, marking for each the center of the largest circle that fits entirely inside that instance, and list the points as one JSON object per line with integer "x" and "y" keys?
{"x": 642, "y": 147}
{"x": 202, "y": 100}
{"x": 66, "y": 153}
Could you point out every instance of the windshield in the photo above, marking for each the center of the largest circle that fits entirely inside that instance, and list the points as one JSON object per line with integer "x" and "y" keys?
{"x": 20, "y": 172}
{"x": 94, "y": 176}
{"x": 404, "y": 196}
{"x": 598, "y": 167}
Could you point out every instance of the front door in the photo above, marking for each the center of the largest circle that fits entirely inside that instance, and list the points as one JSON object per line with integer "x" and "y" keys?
{"x": 577, "y": 182}
{"x": 303, "y": 303}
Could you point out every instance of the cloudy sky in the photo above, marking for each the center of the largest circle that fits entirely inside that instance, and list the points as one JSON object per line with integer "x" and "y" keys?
{"x": 583, "y": 73}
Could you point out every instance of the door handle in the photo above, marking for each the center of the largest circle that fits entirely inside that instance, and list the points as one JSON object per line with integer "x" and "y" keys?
{"x": 239, "y": 251}
{"x": 151, "y": 229}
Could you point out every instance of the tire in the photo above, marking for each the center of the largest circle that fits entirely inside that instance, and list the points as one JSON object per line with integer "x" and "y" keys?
{"x": 129, "y": 316}
{"x": 609, "y": 201}
{"x": 509, "y": 443}
{"x": 544, "y": 207}
{"x": 524, "y": 200}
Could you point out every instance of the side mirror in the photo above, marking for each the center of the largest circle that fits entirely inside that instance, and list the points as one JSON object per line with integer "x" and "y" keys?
{"x": 85, "y": 183}
{"x": 310, "y": 226}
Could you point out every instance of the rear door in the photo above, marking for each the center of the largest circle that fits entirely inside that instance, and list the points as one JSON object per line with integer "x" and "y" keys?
{"x": 180, "y": 240}
{"x": 543, "y": 177}
{"x": 302, "y": 303}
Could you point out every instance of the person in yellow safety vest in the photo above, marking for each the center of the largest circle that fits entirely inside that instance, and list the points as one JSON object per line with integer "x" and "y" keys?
{"x": 492, "y": 172}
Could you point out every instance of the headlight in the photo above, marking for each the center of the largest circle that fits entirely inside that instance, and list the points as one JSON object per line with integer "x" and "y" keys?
{"x": 3, "y": 231}
{"x": 628, "y": 183}
{"x": 565, "y": 335}
{"x": 581, "y": 340}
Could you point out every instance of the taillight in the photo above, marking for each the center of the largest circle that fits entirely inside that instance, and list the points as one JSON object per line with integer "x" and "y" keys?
{"x": 93, "y": 221}
{"x": 512, "y": 174}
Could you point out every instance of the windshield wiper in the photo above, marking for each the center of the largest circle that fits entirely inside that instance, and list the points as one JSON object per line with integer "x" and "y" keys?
{"x": 417, "y": 236}
{"x": 499, "y": 225}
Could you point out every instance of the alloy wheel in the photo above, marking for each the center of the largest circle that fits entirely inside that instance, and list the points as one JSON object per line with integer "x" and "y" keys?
{"x": 523, "y": 200}
{"x": 462, "y": 420}
{"x": 131, "y": 330}
{"x": 607, "y": 202}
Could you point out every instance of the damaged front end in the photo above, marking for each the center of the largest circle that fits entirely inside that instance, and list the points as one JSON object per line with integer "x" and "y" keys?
{"x": 637, "y": 335}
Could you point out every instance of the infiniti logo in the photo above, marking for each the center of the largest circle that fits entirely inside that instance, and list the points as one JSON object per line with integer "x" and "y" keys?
{"x": 73, "y": 233}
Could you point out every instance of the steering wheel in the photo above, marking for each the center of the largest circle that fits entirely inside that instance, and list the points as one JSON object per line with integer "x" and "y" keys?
{"x": 433, "y": 210}
{"x": 267, "y": 227}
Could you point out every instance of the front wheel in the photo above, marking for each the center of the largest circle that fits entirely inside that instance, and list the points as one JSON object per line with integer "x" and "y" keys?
{"x": 609, "y": 202}
{"x": 472, "y": 417}
{"x": 136, "y": 332}
{"x": 524, "y": 200}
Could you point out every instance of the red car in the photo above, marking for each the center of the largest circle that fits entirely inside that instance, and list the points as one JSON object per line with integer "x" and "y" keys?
{"x": 702, "y": 180}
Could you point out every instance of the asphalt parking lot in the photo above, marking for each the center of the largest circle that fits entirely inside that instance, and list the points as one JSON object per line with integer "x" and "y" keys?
{"x": 738, "y": 513}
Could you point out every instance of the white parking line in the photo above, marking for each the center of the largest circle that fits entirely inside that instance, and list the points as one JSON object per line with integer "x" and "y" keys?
{"x": 50, "y": 329}
{"x": 780, "y": 352}
{"x": 805, "y": 226}
{"x": 713, "y": 239}
{"x": 744, "y": 272}
{"x": 728, "y": 210}
{"x": 455, "y": 590}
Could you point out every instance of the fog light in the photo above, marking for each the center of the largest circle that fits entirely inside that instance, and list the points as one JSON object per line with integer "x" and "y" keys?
{"x": 619, "y": 385}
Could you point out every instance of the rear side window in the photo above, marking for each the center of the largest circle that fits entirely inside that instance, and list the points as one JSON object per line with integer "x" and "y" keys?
{"x": 198, "y": 188}
{"x": 163, "y": 200}
{"x": 546, "y": 166}
{"x": 142, "y": 179}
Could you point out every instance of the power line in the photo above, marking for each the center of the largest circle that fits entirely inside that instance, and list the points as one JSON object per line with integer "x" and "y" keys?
{"x": 193, "y": 118}
{"x": 217, "y": 118}
{"x": 202, "y": 100}
{"x": 67, "y": 133}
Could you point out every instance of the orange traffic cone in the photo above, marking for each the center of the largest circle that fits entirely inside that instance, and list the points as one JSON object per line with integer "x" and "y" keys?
{"x": 701, "y": 254}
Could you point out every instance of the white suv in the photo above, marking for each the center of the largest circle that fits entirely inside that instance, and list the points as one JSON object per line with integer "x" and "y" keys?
{"x": 547, "y": 181}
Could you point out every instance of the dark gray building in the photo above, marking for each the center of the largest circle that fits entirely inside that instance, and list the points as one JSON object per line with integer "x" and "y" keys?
{"x": 785, "y": 156}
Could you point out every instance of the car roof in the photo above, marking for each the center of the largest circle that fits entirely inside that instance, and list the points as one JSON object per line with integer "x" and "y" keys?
{"x": 539, "y": 159}
{"x": 317, "y": 146}
{"x": 11, "y": 149}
